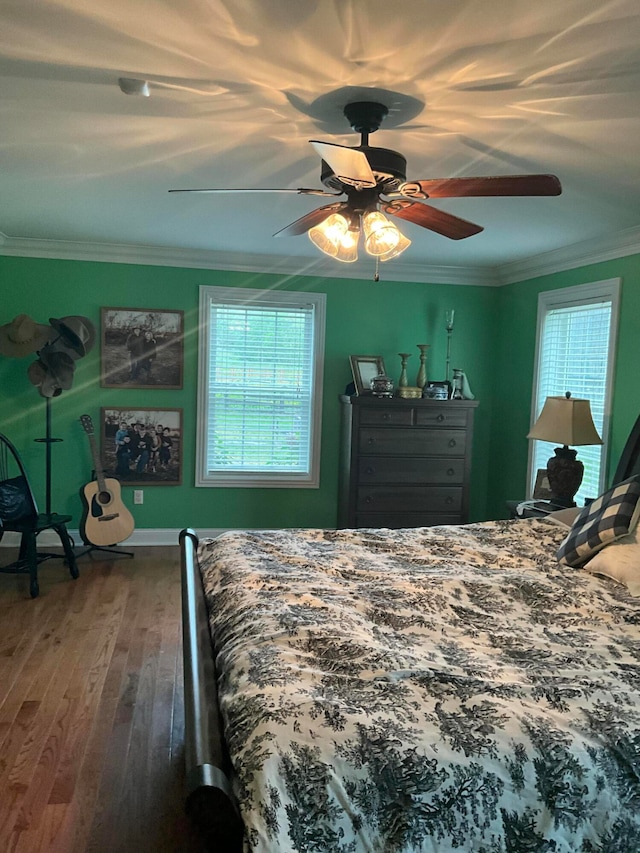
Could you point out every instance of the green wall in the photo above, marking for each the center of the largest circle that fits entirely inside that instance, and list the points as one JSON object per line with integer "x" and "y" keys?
{"x": 517, "y": 308}
{"x": 363, "y": 317}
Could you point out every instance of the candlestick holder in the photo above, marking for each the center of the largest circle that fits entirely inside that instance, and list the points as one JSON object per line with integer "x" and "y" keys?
{"x": 403, "y": 382}
{"x": 421, "y": 379}
{"x": 448, "y": 321}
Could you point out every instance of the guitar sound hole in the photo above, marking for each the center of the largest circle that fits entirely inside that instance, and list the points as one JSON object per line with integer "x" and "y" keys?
{"x": 104, "y": 497}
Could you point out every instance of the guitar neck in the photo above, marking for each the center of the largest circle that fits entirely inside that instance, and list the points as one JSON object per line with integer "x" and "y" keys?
{"x": 96, "y": 462}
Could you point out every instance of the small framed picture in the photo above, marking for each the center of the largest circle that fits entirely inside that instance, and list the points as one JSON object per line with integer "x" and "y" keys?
{"x": 364, "y": 368}
{"x": 141, "y": 348}
{"x": 542, "y": 490}
{"x": 142, "y": 447}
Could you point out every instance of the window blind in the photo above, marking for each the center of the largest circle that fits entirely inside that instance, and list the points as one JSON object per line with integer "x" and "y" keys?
{"x": 260, "y": 391}
{"x": 573, "y": 356}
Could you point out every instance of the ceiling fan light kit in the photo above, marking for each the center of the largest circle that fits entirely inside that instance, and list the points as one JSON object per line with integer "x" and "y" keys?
{"x": 374, "y": 182}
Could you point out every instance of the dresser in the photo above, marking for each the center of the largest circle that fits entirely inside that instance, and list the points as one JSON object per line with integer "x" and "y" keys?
{"x": 404, "y": 463}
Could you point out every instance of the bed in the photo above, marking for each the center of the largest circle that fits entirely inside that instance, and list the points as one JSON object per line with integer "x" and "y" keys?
{"x": 427, "y": 689}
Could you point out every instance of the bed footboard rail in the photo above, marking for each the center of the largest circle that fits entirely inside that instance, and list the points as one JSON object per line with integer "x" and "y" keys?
{"x": 210, "y": 801}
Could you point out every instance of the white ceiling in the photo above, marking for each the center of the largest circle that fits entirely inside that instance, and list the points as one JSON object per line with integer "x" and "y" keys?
{"x": 475, "y": 87}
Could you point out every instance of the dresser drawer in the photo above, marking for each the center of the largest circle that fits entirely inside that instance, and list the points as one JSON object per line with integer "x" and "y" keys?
{"x": 412, "y": 441}
{"x": 409, "y": 498}
{"x": 390, "y": 415}
{"x": 444, "y": 416}
{"x": 402, "y": 469}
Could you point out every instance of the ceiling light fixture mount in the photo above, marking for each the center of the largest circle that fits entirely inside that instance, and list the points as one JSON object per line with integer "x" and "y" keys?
{"x": 134, "y": 86}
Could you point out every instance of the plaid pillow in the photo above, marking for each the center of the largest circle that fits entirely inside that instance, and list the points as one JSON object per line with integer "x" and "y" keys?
{"x": 612, "y": 515}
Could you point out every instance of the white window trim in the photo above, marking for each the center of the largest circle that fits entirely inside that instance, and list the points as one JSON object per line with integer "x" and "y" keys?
{"x": 243, "y": 479}
{"x": 581, "y": 294}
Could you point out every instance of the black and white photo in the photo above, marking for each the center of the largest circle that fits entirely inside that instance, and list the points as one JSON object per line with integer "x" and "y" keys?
{"x": 142, "y": 348}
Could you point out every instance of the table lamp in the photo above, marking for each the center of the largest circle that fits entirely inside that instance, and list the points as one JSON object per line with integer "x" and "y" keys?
{"x": 565, "y": 420}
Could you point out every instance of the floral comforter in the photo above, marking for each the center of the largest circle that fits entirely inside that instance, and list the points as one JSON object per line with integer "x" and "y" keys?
{"x": 433, "y": 689}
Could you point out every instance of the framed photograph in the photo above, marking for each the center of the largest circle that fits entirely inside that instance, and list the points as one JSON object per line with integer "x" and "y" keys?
{"x": 141, "y": 348}
{"x": 142, "y": 447}
{"x": 541, "y": 490}
{"x": 364, "y": 368}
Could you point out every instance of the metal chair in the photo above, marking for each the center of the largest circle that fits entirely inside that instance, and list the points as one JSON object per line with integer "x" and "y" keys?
{"x": 19, "y": 514}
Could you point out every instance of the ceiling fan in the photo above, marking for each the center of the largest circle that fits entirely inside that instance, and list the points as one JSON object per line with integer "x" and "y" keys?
{"x": 374, "y": 182}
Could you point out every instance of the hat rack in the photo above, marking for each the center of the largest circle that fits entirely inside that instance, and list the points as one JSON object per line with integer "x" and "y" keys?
{"x": 47, "y": 441}
{"x": 57, "y": 346}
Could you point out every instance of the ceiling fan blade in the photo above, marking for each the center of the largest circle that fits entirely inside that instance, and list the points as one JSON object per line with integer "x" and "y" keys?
{"x": 430, "y": 217}
{"x": 309, "y": 220}
{"x": 496, "y": 185}
{"x": 348, "y": 164}
{"x": 299, "y": 191}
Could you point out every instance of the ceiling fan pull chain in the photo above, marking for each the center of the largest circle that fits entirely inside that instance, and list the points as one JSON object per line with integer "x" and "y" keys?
{"x": 376, "y": 276}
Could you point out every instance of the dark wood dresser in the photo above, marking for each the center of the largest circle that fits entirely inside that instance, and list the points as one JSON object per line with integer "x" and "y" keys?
{"x": 405, "y": 463}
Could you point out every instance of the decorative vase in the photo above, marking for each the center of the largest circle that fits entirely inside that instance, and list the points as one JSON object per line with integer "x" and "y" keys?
{"x": 403, "y": 381}
{"x": 457, "y": 393}
{"x": 421, "y": 379}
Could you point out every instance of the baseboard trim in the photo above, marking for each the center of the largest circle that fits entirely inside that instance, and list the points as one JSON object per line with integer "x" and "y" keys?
{"x": 150, "y": 536}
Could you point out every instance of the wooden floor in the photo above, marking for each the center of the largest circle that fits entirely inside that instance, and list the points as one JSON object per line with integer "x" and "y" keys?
{"x": 91, "y": 708}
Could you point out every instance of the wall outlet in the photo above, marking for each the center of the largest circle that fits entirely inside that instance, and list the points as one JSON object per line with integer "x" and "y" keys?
{"x": 138, "y": 496}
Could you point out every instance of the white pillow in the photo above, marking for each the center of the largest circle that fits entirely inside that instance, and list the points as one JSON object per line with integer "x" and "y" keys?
{"x": 620, "y": 560}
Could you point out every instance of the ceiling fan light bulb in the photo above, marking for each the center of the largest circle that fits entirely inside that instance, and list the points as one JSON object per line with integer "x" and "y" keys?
{"x": 348, "y": 248}
{"x": 381, "y": 236}
{"x": 402, "y": 244}
{"x": 329, "y": 234}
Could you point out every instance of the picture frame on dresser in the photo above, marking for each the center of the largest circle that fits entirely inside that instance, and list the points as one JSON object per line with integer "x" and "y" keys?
{"x": 365, "y": 368}
{"x": 542, "y": 489}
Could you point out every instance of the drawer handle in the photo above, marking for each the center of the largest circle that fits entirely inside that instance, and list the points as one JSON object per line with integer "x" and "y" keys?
{"x": 371, "y": 441}
{"x": 451, "y": 471}
{"x": 368, "y": 499}
{"x": 386, "y": 416}
{"x": 371, "y": 470}
{"x": 452, "y": 443}
{"x": 449, "y": 500}
{"x": 440, "y": 418}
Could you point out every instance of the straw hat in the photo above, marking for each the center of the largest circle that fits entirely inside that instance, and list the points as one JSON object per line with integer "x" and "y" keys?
{"x": 78, "y": 333}
{"x": 22, "y": 336}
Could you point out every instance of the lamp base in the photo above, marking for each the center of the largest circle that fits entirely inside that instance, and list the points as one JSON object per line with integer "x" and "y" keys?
{"x": 565, "y": 475}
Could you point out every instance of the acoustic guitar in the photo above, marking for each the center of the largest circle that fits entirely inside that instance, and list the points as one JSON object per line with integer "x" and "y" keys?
{"x": 106, "y": 519}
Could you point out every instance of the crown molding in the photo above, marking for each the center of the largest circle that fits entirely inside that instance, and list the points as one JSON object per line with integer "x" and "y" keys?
{"x": 120, "y": 253}
{"x": 581, "y": 254}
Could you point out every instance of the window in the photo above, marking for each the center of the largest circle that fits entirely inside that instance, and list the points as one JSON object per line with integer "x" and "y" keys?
{"x": 575, "y": 352}
{"x": 259, "y": 388}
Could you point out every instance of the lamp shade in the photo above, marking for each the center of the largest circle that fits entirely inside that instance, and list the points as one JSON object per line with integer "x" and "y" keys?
{"x": 567, "y": 421}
